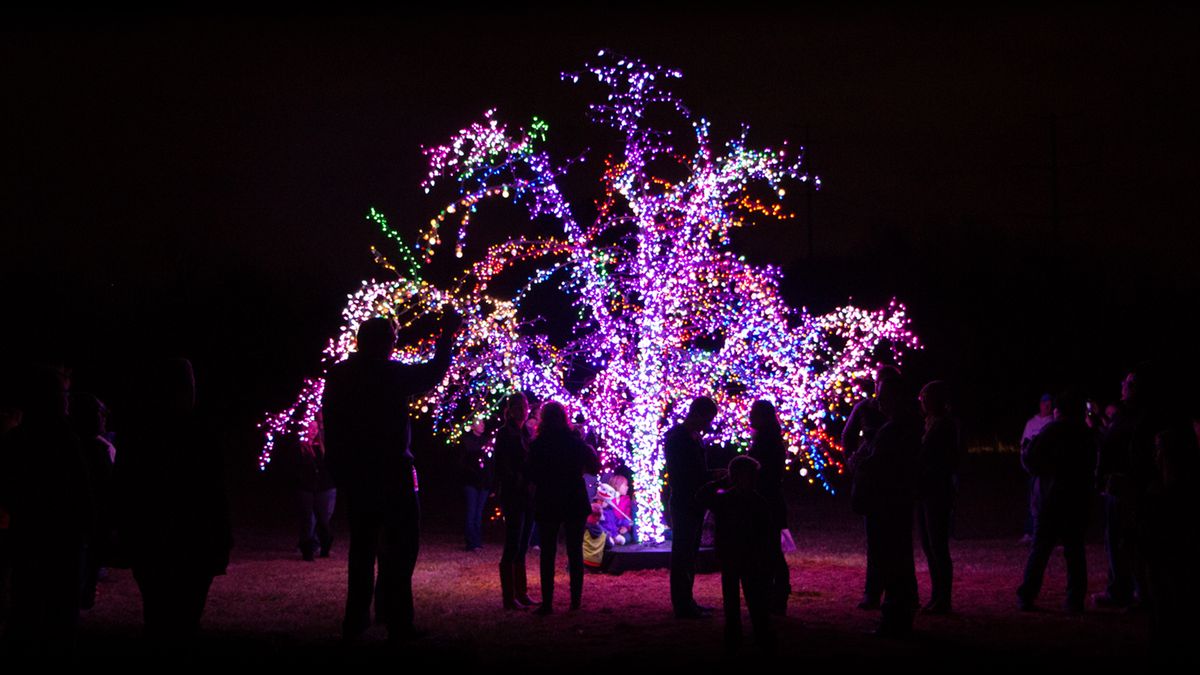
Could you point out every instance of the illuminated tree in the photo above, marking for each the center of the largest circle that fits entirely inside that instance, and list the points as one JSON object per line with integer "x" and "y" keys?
{"x": 663, "y": 310}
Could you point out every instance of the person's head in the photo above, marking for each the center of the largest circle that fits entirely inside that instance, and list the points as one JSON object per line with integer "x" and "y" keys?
{"x": 743, "y": 471}
{"x": 763, "y": 418}
{"x": 516, "y": 410}
{"x": 701, "y": 414}
{"x": 935, "y": 399}
{"x": 553, "y": 418}
{"x": 1046, "y": 405}
{"x": 884, "y": 373}
{"x": 895, "y": 399}
{"x": 1070, "y": 405}
{"x": 620, "y": 484}
{"x": 376, "y": 338}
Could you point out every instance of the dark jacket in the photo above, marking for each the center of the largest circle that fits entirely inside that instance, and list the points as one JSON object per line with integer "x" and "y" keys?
{"x": 475, "y": 467}
{"x": 686, "y": 471}
{"x": 885, "y": 468}
{"x": 771, "y": 453}
{"x": 367, "y": 428}
{"x": 170, "y": 491}
{"x": 557, "y": 462}
{"x": 1062, "y": 459}
{"x": 745, "y": 533}
{"x": 937, "y": 463}
{"x": 511, "y": 456}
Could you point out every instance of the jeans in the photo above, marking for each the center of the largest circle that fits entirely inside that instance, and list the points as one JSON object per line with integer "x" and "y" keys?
{"x": 476, "y": 499}
{"x": 573, "y": 532}
{"x": 314, "y": 510}
{"x": 933, "y": 524}
{"x": 686, "y": 525}
{"x": 390, "y": 533}
{"x": 1047, "y": 532}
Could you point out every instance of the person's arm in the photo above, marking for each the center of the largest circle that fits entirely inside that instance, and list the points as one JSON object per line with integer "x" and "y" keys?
{"x": 706, "y": 496}
{"x": 422, "y": 377}
{"x": 591, "y": 461}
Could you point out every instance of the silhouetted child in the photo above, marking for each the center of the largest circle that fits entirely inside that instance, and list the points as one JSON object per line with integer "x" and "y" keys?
{"x": 746, "y": 539}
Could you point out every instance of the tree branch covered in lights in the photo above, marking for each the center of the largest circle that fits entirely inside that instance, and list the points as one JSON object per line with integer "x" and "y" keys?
{"x": 664, "y": 310}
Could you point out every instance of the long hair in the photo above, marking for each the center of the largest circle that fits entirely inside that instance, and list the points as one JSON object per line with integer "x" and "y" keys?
{"x": 765, "y": 420}
{"x": 553, "y": 419}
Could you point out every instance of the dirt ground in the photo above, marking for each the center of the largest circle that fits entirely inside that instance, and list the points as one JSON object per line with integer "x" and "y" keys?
{"x": 274, "y": 609}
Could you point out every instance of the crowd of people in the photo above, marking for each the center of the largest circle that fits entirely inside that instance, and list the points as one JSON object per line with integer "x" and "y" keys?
{"x": 74, "y": 500}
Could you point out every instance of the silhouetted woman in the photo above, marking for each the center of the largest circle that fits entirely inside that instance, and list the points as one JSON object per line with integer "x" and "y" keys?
{"x": 771, "y": 452}
{"x": 557, "y": 461}
{"x": 174, "y": 518}
{"x": 511, "y": 457}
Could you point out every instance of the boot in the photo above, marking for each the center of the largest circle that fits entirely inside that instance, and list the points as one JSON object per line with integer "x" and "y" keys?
{"x": 521, "y": 586}
{"x": 506, "y": 587}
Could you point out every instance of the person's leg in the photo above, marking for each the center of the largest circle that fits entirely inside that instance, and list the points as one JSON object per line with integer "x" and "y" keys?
{"x": 573, "y": 533}
{"x": 306, "y": 522}
{"x": 897, "y": 571}
{"x": 941, "y": 567}
{"x": 873, "y": 585}
{"x": 731, "y": 603}
{"x": 1116, "y": 534}
{"x": 520, "y": 574}
{"x": 757, "y": 586}
{"x": 685, "y": 546}
{"x": 1044, "y": 537}
{"x": 779, "y": 587}
{"x": 513, "y": 524}
{"x": 549, "y": 533}
{"x": 1073, "y": 552}
{"x": 397, "y": 561}
{"x": 472, "y": 529}
{"x": 365, "y": 528}
{"x": 324, "y": 504}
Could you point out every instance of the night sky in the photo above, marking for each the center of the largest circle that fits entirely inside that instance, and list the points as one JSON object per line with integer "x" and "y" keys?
{"x": 198, "y": 186}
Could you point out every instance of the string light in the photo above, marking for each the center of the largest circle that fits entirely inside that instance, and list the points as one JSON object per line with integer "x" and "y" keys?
{"x": 664, "y": 311}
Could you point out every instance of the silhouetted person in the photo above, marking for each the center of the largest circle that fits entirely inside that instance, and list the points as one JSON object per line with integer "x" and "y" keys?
{"x": 368, "y": 437}
{"x": 10, "y": 419}
{"x": 1033, "y": 427}
{"x": 1062, "y": 459}
{"x": 475, "y": 467}
{"x": 864, "y": 421}
{"x": 558, "y": 458}
{"x": 44, "y": 489}
{"x": 937, "y": 464}
{"x": 316, "y": 494}
{"x": 1169, "y": 538}
{"x": 747, "y": 543}
{"x": 687, "y": 474}
{"x": 511, "y": 454}
{"x": 88, "y": 418}
{"x": 770, "y": 450}
{"x": 1121, "y": 476}
{"x": 173, "y": 515}
{"x": 883, "y": 491}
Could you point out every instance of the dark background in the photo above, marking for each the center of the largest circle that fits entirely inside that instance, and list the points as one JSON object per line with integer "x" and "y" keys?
{"x": 1023, "y": 179}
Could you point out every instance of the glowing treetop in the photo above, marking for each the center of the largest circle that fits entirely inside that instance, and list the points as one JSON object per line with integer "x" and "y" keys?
{"x": 663, "y": 310}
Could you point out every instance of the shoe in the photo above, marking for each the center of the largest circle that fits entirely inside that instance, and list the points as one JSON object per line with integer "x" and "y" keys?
{"x": 524, "y": 599}
{"x": 705, "y": 609}
{"x": 691, "y": 614}
{"x": 324, "y": 552}
{"x": 868, "y": 604}
{"x": 544, "y": 609}
{"x": 1026, "y": 605}
{"x": 1106, "y": 601}
{"x": 936, "y": 607}
{"x": 307, "y": 555}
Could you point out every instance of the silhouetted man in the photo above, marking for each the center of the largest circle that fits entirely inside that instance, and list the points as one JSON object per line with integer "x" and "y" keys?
{"x": 1062, "y": 459}
{"x": 368, "y": 436}
{"x": 687, "y": 474}
{"x": 862, "y": 424}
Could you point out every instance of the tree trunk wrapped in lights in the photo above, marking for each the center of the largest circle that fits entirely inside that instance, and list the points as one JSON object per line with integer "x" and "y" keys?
{"x": 664, "y": 310}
